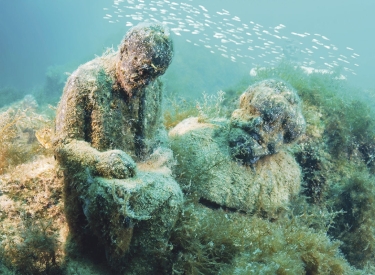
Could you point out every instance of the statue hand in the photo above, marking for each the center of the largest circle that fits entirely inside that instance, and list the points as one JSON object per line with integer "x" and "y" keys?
{"x": 115, "y": 164}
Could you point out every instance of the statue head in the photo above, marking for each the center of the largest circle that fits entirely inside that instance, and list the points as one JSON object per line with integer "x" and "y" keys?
{"x": 145, "y": 53}
{"x": 269, "y": 117}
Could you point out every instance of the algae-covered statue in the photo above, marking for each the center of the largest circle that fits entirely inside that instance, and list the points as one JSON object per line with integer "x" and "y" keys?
{"x": 269, "y": 116}
{"x": 241, "y": 164}
{"x": 119, "y": 194}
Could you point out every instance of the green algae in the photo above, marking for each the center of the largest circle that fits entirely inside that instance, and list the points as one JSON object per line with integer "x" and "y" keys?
{"x": 335, "y": 207}
{"x": 217, "y": 242}
{"x": 327, "y": 229}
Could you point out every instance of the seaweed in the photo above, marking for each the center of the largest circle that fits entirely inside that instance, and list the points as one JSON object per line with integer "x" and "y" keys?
{"x": 18, "y": 126}
{"x": 316, "y": 165}
{"x": 211, "y": 106}
{"x": 219, "y": 242}
{"x": 348, "y": 123}
{"x": 355, "y": 195}
{"x": 33, "y": 250}
{"x": 337, "y": 156}
{"x": 206, "y": 108}
{"x": 328, "y": 229}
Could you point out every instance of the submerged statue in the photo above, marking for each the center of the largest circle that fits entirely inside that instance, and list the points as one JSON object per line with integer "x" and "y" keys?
{"x": 241, "y": 164}
{"x": 110, "y": 144}
{"x": 268, "y": 118}
{"x": 119, "y": 193}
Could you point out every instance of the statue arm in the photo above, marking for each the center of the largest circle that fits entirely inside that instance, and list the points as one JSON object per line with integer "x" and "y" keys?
{"x": 73, "y": 150}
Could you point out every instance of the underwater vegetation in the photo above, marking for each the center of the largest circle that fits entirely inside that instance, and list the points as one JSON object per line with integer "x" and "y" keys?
{"x": 32, "y": 218}
{"x": 336, "y": 202}
{"x": 210, "y": 241}
{"x": 354, "y": 194}
{"x": 328, "y": 228}
{"x": 207, "y": 107}
{"x": 20, "y": 127}
{"x": 29, "y": 192}
{"x": 35, "y": 250}
{"x": 348, "y": 124}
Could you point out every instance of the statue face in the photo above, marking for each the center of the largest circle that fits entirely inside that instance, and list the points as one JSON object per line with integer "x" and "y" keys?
{"x": 269, "y": 117}
{"x": 135, "y": 72}
{"x": 145, "y": 54}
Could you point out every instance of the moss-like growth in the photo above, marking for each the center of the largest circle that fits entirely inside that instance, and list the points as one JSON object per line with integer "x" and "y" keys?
{"x": 34, "y": 250}
{"x": 32, "y": 218}
{"x": 355, "y": 195}
{"x": 349, "y": 126}
{"x": 177, "y": 109}
{"x": 205, "y": 165}
{"x": 315, "y": 164}
{"x": 217, "y": 242}
{"x": 318, "y": 234}
{"x": 144, "y": 54}
{"x": 205, "y": 108}
{"x": 18, "y": 126}
{"x": 336, "y": 156}
{"x": 269, "y": 117}
{"x": 109, "y": 128}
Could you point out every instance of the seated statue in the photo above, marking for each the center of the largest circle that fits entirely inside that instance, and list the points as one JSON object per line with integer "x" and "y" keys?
{"x": 119, "y": 195}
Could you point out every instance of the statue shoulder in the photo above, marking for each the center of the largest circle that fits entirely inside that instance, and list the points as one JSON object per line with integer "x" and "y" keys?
{"x": 91, "y": 75}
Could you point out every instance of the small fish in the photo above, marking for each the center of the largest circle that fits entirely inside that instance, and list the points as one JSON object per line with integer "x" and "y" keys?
{"x": 298, "y": 34}
{"x": 185, "y": 17}
{"x": 44, "y": 136}
{"x": 340, "y": 59}
{"x": 236, "y": 18}
{"x": 219, "y": 35}
{"x": 203, "y": 8}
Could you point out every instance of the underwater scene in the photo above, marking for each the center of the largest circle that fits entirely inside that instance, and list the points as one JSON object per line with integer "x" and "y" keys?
{"x": 187, "y": 138}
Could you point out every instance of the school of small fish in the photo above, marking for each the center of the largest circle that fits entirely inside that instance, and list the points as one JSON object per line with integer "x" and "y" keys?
{"x": 239, "y": 40}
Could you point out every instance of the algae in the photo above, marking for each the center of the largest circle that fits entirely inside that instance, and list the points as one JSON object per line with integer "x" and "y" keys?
{"x": 326, "y": 229}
